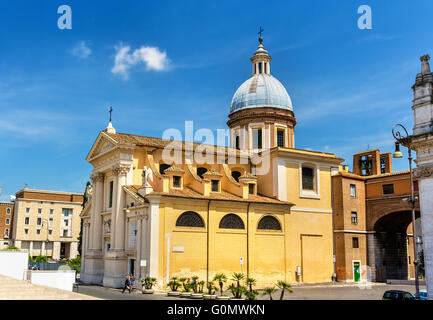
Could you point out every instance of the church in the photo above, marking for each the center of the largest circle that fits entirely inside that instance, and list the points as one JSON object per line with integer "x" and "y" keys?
{"x": 259, "y": 206}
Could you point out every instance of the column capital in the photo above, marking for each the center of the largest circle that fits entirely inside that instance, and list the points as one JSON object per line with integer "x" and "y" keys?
{"x": 423, "y": 172}
{"x": 97, "y": 177}
{"x": 120, "y": 169}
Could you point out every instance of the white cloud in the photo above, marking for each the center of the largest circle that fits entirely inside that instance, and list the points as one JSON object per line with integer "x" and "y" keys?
{"x": 81, "y": 50}
{"x": 152, "y": 57}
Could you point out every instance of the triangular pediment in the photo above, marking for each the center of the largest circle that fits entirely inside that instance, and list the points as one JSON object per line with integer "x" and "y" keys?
{"x": 102, "y": 145}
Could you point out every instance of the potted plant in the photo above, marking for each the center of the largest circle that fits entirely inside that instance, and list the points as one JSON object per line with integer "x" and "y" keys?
{"x": 221, "y": 279}
{"x": 147, "y": 284}
{"x": 238, "y": 289}
{"x": 186, "y": 292}
{"x": 251, "y": 294}
{"x": 210, "y": 295}
{"x": 196, "y": 288}
{"x": 284, "y": 286}
{"x": 174, "y": 284}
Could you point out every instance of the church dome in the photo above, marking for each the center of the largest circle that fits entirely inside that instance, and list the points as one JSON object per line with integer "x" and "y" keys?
{"x": 261, "y": 90}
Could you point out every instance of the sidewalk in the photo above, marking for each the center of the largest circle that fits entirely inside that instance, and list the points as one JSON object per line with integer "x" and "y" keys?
{"x": 335, "y": 284}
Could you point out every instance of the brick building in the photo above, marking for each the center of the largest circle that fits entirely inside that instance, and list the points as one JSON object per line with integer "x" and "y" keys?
{"x": 6, "y": 219}
{"x": 372, "y": 220}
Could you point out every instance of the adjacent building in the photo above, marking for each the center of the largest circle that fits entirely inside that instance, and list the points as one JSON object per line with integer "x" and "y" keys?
{"x": 6, "y": 223}
{"x": 265, "y": 209}
{"x": 47, "y": 223}
{"x": 372, "y": 218}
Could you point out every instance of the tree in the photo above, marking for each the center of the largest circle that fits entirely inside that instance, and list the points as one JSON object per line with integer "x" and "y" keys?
{"x": 221, "y": 279}
{"x": 284, "y": 286}
{"x": 269, "y": 291}
{"x": 12, "y": 248}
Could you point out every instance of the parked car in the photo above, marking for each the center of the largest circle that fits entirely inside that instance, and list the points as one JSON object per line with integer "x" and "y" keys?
{"x": 397, "y": 295}
{"x": 422, "y": 295}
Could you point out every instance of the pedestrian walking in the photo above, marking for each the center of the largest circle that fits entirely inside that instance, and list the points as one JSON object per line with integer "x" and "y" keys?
{"x": 127, "y": 284}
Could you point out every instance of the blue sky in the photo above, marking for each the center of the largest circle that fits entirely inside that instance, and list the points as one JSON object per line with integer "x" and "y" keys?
{"x": 348, "y": 86}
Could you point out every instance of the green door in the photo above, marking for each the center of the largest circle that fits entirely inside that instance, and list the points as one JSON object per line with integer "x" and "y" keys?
{"x": 356, "y": 271}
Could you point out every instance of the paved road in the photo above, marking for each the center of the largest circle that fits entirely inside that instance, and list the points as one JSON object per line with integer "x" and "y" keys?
{"x": 374, "y": 292}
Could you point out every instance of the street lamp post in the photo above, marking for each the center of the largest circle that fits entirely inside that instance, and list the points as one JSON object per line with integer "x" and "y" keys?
{"x": 46, "y": 242}
{"x": 405, "y": 139}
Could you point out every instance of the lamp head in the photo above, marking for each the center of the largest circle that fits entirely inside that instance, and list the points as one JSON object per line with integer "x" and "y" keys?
{"x": 397, "y": 153}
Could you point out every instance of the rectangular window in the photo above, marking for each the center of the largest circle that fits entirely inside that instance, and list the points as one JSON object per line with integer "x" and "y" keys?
{"x": 260, "y": 67}
{"x": 6, "y": 233}
{"x": 66, "y": 221}
{"x": 215, "y": 185}
{"x": 38, "y": 231}
{"x": 110, "y": 201}
{"x": 237, "y": 143}
{"x": 39, "y": 210}
{"x": 354, "y": 217}
{"x": 7, "y": 221}
{"x": 50, "y": 232}
{"x": 39, "y": 221}
{"x": 307, "y": 178}
{"x": 66, "y": 212}
{"x": 27, "y": 220}
{"x": 176, "y": 182}
{"x": 353, "y": 190}
{"x": 388, "y": 189}
{"x": 27, "y": 210}
{"x": 257, "y": 138}
{"x": 355, "y": 242}
{"x": 65, "y": 233}
{"x": 26, "y": 231}
{"x": 280, "y": 138}
{"x": 50, "y": 222}
{"x": 51, "y": 211}
{"x": 8, "y": 211}
{"x": 251, "y": 188}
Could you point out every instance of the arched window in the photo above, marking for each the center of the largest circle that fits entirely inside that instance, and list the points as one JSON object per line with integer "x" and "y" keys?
{"x": 231, "y": 221}
{"x": 269, "y": 223}
{"x": 307, "y": 178}
{"x": 236, "y": 175}
{"x": 190, "y": 219}
{"x": 201, "y": 171}
{"x": 163, "y": 167}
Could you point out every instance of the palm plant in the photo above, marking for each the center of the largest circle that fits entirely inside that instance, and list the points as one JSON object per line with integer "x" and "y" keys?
{"x": 194, "y": 284}
{"x": 238, "y": 277}
{"x": 211, "y": 287}
{"x": 201, "y": 286}
{"x": 251, "y": 295}
{"x": 284, "y": 286}
{"x": 185, "y": 284}
{"x": 237, "y": 290}
{"x": 221, "y": 278}
{"x": 269, "y": 291}
{"x": 148, "y": 282}
{"x": 174, "y": 284}
{"x": 250, "y": 283}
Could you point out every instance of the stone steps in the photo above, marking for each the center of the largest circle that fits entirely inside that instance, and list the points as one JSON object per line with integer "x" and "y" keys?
{"x": 12, "y": 289}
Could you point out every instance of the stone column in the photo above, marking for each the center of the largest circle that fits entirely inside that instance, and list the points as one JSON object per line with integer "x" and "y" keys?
{"x": 97, "y": 198}
{"x": 116, "y": 261}
{"x": 138, "y": 247}
{"x": 425, "y": 183}
{"x": 153, "y": 237}
{"x": 119, "y": 200}
{"x": 83, "y": 247}
{"x": 31, "y": 248}
{"x": 56, "y": 250}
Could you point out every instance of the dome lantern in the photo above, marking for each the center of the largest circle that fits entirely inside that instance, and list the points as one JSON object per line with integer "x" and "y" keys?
{"x": 261, "y": 113}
